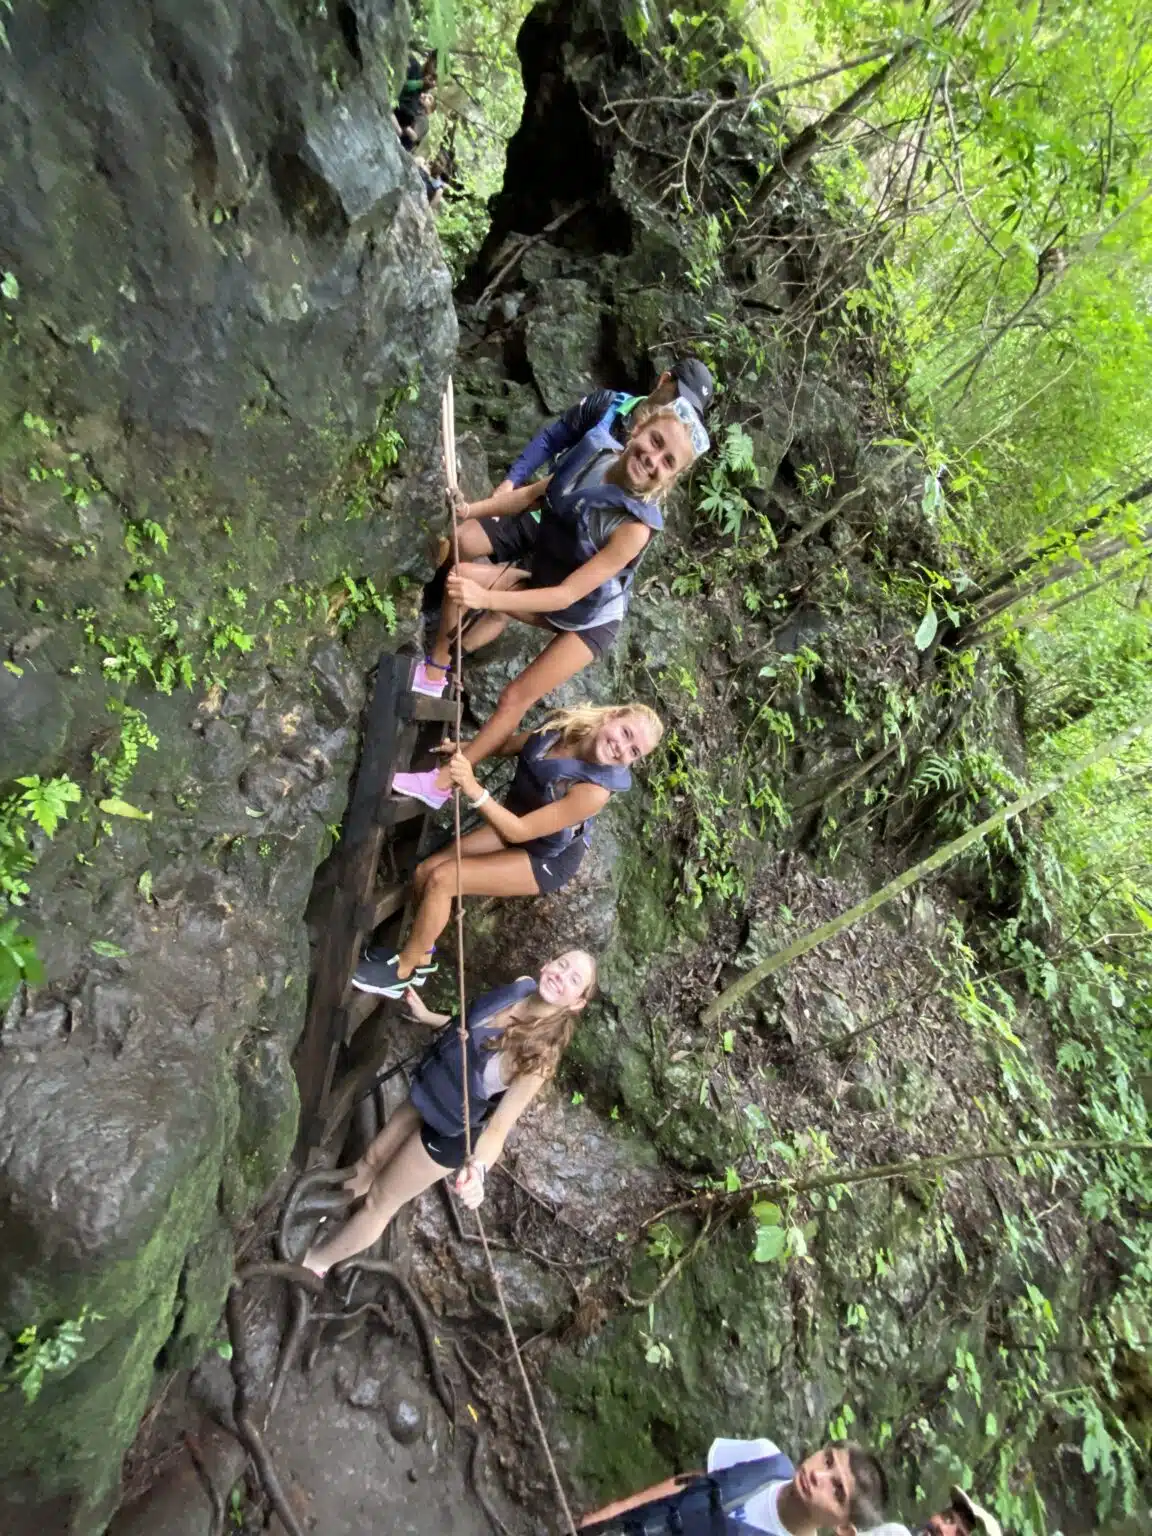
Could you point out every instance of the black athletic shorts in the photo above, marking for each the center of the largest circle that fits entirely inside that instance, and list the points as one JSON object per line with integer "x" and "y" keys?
{"x": 554, "y": 870}
{"x": 512, "y": 538}
{"x": 448, "y": 1151}
{"x": 513, "y": 541}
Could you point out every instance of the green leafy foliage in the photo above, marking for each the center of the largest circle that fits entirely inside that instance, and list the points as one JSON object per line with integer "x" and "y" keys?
{"x": 34, "y": 1356}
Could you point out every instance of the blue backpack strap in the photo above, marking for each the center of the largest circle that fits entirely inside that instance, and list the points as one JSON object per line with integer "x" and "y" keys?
{"x": 646, "y": 512}
{"x": 610, "y": 776}
{"x": 705, "y": 1506}
{"x": 572, "y": 464}
{"x": 620, "y": 406}
{"x": 739, "y": 1483}
{"x": 488, "y": 1004}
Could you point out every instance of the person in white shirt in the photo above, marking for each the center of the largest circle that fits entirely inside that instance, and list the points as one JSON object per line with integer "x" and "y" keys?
{"x": 841, "y": 1487}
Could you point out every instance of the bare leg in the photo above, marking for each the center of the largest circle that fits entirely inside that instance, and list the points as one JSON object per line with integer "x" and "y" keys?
{"x": 408, "y": 1174}
{"x": 485, "y": 630}
{"x": 474, "y": 542}
{"x": 507, "y": 873}
{"x": 563, "y": 656}
{"x": 450, "y": 614}
{"x": 400, "y": 1126}
{"x": 483, "y": 840}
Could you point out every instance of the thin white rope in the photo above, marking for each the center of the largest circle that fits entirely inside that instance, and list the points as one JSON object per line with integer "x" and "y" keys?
{"x": 449, "y": 428}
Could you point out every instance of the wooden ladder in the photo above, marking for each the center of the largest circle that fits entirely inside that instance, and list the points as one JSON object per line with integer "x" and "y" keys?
{"x": 400, "y": 726}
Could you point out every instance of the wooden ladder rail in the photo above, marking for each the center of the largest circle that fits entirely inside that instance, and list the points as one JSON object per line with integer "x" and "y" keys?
{"x": 356, "y": 905}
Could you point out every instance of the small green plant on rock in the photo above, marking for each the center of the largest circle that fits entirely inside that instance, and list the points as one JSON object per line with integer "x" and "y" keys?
{"x": 733, "y": 471}
{"x": 34, "y": 1357}
{"x": 354, "y": 600}
{"x": 135, "y": 735}
{"x": 45, "y": 802}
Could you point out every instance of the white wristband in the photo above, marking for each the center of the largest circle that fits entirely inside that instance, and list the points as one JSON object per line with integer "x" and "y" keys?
{"x": 480, "y": 799}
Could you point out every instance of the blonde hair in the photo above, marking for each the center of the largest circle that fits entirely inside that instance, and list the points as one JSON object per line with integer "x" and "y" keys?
{"x": 537, "y": 1044}
{"x": 579, "y": 724}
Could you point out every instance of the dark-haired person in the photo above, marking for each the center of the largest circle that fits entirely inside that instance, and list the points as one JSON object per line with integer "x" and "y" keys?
{"x": 841, "y": 1487}
{"x": 962, "y": 1518}
{"x": 411, "y": 116}
{"x": 422, "y": 75}
{"x": 516, "y": 1037}
{"x": 511, "y": 539}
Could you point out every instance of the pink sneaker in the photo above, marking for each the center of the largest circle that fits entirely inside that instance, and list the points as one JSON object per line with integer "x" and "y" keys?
{"x": 421, "y": 786}
{"x": 430, "y": 679}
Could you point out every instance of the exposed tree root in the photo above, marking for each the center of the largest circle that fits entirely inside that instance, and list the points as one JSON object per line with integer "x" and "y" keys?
{"x": 244, "y": 1424}
{"x": 420, "y": 1318}
{"x": 477, "y": 1480}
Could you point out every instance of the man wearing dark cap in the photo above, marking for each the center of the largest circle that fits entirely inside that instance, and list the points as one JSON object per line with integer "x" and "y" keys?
{"x": 962, "y": 1518}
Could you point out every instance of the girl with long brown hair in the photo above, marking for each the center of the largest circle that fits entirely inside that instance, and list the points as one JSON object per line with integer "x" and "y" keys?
{"x": 516, "y": 1037}
{"x": 534, "y": 842}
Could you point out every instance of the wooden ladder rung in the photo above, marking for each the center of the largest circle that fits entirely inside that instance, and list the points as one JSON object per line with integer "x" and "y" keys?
{"x": 384, "y": 901}
{"x": 420, "y": 706}
{"x": 391, "y": 813}
{"x": 360, "y": 1005}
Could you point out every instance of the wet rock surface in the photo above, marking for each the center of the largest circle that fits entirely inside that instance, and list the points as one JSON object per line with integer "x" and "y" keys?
{"x": 224, "y": 282}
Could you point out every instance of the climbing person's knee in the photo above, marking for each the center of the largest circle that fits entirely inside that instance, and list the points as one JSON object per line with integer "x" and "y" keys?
{"x": 378, "y": 1201}
{"x": 441, "y": 879}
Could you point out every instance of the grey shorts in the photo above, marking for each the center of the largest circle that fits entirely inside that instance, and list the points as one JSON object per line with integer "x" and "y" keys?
{"x": 598, "y": 639}
{"x": 554, "y": 870}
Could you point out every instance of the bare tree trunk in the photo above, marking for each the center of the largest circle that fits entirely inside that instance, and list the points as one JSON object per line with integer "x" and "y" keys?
{"x": 752, "y": 979}
{"x": 1012, "y": 573}
{"x": 912, "y": 1167}
{"x": 798, "y": 153}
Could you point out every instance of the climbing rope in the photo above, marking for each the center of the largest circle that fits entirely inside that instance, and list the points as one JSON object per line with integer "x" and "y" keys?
{"x": 448, "y": 412}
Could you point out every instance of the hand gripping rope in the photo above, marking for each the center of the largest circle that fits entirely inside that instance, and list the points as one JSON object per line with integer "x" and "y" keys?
{"x": 448, "y": 418}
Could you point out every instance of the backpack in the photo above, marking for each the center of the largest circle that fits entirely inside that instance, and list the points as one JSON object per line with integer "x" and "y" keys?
{"x": 705, "y": 1506}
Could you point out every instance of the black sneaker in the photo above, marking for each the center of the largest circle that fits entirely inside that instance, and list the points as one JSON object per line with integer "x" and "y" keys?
{"x": 381, "y": 976}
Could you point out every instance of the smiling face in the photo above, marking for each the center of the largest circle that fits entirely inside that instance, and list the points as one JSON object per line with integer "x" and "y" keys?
{"x": 656, "y": 453}
{"x": 567, "y": 980}
{"x": 826, "y": 1484}
{"x": 623, "y": 739}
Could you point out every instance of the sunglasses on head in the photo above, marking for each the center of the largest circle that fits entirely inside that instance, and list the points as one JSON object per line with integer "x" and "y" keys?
{"x": 684, "y": 412}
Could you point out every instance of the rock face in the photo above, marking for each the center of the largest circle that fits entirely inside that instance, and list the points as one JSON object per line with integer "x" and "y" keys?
{"x": 224, "y": 315}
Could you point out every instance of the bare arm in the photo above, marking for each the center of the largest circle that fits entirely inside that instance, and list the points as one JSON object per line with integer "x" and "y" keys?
{"x": 657, "y": 1491}
{"x": 622, "y": 548}
{"x": 506, "y": 503}
{"x": 490, "y": 1142}
{"x": 510, "y": 748}
{"x": 580, "y": 803}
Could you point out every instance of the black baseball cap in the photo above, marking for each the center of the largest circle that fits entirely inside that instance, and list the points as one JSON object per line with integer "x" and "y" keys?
{"x": 694, "y": 383}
